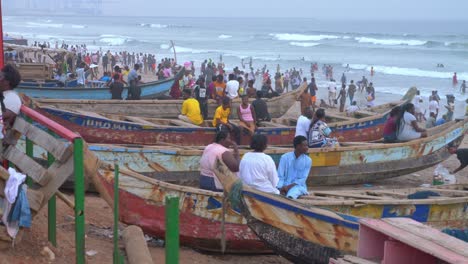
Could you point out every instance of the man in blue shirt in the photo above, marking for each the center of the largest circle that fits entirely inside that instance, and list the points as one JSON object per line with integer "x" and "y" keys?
{"x": 134, "y": 91}
{"x": 293, "y": 170}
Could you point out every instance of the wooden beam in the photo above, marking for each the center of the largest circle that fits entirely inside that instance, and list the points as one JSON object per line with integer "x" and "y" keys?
{"x": 57, "y": 148}
{"x": 27, "y": 165}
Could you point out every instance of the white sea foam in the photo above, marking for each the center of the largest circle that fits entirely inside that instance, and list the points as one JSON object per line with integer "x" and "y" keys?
{"x": 180, "y": 49}
{"x": 78, "y": 26}
{"x": 158, "y": 26}
{"x": 302, "y": 37}
{"x": 114, "y": 40}
{"x": 414, "y": 72}
{"x": 43, "y": 25}
{"x": 392, "y": 42}
{"x": 224, "y": 36}
{"x": 304, "y": 44}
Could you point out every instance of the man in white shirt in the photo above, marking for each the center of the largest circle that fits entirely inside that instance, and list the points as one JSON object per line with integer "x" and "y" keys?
{"x": 331, "y": 92}
{"x": 257, "y": 169}
{"x": 417, "y": 100}
{"x": 433, "y": 106}
{"x": 303, "y": 123}
{"x": 81, "y": 74}
{"x": 352, "y": 108}
{"x": 232, "y": 87}
{"x": 11, "y": 104}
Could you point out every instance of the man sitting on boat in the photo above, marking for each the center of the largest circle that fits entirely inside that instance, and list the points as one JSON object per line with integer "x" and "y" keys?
{"x": 319, "y": 131}
{"x": 261, "y": 108}
{"x": 408, "y": 128}
{"x": 293, "y": 170}
{"x": 303, "y": 122}
{"x": 190, "y": 109}
{"x": 462, "y": 156}
{"x": 257, "y": 169}
{"x": 218, "y": 149}
{"x": 221, "y": 119}
{"x": 11, "y": 102}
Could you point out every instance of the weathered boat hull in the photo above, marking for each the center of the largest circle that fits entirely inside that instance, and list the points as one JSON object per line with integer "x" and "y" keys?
{"x": 149, "y": 90}
{"x": 300, "y": 234}
{"x": 107, "y": 131}
{"x": 142, "y": 203}
{"x": 331, "y": 166}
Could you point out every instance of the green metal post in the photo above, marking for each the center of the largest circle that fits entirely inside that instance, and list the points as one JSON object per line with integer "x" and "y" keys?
{"x": 116, "y": 215}
{"x": 51, "y": 211}
{"x": 172, "y": 230}
{"x": 29, "y": 152}
{"x": 79, "y": 200}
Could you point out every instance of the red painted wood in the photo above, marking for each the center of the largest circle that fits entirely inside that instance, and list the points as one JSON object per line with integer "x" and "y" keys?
{"x": 50, "y": 124}
{"x": 370, "y": 244}
{"x": 195, "y": 231}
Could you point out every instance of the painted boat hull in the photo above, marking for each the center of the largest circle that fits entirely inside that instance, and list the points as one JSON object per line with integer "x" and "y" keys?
{"x": 298, "y": 233}
{"x": 149, "y": 90}
{"x": 334, "y": 166}
{"x": 142, "y": 203}
{"x": 107, "y": 131}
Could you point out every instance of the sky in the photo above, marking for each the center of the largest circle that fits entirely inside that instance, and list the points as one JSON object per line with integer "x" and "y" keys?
{"x": 318, "y": 9}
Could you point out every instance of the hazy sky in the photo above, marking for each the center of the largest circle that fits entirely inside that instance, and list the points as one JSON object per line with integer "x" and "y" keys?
{"x": 324, "y": 9}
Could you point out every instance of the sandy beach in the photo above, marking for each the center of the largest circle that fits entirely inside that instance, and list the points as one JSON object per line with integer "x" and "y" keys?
{"x": 99, "y": 221}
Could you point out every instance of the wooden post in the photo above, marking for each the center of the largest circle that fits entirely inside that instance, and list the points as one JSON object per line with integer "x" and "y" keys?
{"x": 173, "y": 48}
{"x": 135, "y": 246}
{"x": 79, "y": 200}
{"x": 52, "y": 211}
{"x": 29, "y": 152}
{"x": 116, "y": 255}
{"x": 172, "y": 230}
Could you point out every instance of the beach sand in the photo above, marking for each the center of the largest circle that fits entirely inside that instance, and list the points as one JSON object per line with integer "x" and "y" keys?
{"x": 99, "y": 221}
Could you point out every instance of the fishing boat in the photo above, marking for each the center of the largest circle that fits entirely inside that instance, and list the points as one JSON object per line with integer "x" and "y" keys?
{"x": 300, "y": 234}
{"x": 142, "y": 203}
{"x": 149, "y": 90}
{"x": 125, "y": 129}
{"x": 277, "y": 106}
{"x": 351, "y": 163}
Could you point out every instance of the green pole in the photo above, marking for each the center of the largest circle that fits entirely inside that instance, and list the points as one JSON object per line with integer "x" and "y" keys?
{"x": 29, "y": 152}
{"x": 116, "y": 215}
{"x": 79, "y": 200}
{"x": 172, "y": 230}
{"x": 51, "y": 211}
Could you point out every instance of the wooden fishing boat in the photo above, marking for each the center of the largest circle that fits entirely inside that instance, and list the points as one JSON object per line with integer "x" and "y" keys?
{"x": 277, "y": 106}
{"x": 201, "y": 214}
{"x": 350, "y": 163}
{"x": 299, "y": 233}
{"x": 125, "y": 129}
{"x": 149, "y": 90}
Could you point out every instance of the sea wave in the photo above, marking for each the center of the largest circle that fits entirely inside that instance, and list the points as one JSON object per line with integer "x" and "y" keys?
{"x": 152, "y": 25}
{"x": 79, "y": 26}
{"x": 304, "y": 44}
{"x": 224, "y": 36}
{"x": 391, "y": 42}
{"x": 302, "y": 37}
{"x": 114, "y": 40}
{"x": 43, "y": 25}
{"x": 414, "y": 72}
{"x": 180, "y": 49}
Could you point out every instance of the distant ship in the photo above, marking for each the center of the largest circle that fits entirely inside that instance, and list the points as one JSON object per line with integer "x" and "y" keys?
{"x": 16, "y": 41}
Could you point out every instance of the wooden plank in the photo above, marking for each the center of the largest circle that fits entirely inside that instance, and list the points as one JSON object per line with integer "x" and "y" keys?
{"x": 428, "y": 246}
{"x": 92, "y": 114}
{"x": 357, "y": 260}
{"x": 59, "y": 172}
{"x": 182, "y": 123}
{"x": 433, "y": 235}
{"x": 271, "y": 124}
{"x": 27, "y": 165}
{"x": 57, "y": 148}
{"x": 346, "y": 194}
{"x": 140, "y": 120}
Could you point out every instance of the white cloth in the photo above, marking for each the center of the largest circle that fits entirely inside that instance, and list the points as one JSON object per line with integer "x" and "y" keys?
{"x": 417, "y": 103}
{"x": 80, "y": 75}
{"x": 258, "y": 170}
{"x": 407, "y": 131}
{"x": 12, "y": 184}
{"x": 231, "y": 89}
{"x": 12, "y": 101}
{"x": 433, "y": 106}
{"x": 302, "y": 126}
{"x": 352, "y": 108}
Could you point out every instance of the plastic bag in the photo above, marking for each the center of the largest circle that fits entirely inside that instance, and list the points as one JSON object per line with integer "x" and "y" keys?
{"x": 443, "y": 176}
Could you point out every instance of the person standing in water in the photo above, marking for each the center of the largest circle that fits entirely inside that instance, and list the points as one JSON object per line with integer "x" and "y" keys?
{"x": 454, "y": 79}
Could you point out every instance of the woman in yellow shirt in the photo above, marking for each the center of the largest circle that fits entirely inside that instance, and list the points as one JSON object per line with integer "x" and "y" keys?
{"x": 190, "y": 109}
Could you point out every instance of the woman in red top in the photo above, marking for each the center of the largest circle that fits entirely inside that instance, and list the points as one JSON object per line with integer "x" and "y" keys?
{"x": 390, "y": 128}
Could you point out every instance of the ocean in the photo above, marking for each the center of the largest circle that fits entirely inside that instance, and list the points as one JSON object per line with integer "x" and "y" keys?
{"x": 403, "y": 53}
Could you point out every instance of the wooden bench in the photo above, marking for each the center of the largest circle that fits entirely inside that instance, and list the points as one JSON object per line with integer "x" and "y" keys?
{"x": 405, "y": 241}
